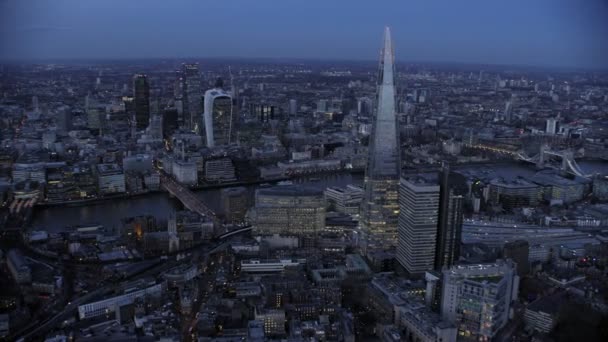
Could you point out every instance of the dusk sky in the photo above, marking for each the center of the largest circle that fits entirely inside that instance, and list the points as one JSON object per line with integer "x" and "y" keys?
{"x": 530, "y": 32}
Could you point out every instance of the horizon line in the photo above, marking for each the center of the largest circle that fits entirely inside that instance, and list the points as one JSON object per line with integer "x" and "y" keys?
{"x": 310, "y": 59}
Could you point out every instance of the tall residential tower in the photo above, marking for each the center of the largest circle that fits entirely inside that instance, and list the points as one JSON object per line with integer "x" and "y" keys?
{"x": 380, "y": 207}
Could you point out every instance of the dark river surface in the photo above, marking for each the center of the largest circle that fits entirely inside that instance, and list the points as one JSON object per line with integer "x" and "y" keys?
{"x": 160, "y": 205}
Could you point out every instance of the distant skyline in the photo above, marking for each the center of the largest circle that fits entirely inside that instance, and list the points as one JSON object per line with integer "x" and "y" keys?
{"x": 551, "y": 33}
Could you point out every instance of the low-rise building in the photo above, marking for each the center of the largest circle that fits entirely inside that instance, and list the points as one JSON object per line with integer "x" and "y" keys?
{"x": 541, "y": 315}
{"x": 110, "y": 179}
{"x": 20, "y": 270}
{"x": 110, "y": 305}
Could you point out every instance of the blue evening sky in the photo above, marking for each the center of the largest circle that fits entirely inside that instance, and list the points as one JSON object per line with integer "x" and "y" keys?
{"x": 530, "y": 32}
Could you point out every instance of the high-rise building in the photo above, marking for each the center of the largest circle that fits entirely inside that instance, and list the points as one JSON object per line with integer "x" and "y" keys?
{"x": 418, "y": 221}
{"x": 477, "y": 298}
{"x": 293, "y": 107}
{"x": 430, "y": 221}
{"x": 192, "y": 97}
{"x": 218, "y": 116}
{"x": 64, "y": 120}
{"x": 35, "y": 106}
{"x": 449, "y": 229}
{"x": 380, "y": 207}
{"x": 551, "y": 126}
{"x": 156, "y": 127}
{"x": 322, "y": 106}
{"x": 141, "y": 97}
{"x": 508, "y": 113}
{"x": 170, "y": 121}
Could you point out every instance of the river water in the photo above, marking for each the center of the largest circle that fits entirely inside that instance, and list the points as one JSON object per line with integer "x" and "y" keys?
{"x": 160, "y": 205}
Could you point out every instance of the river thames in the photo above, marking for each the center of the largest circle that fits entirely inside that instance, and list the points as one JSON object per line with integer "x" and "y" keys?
{"x": 161, "y": 205}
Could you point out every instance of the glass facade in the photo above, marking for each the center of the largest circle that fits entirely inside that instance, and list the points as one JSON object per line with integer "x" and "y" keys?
{"x": 380, "y": 207}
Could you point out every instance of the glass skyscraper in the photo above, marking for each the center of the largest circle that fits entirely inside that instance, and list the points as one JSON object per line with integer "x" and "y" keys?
{"x": 193, "y": 97}
{"x": 141, "y": 99}
{"x": 218, "y": 117}
{"x": 380, "y": 207}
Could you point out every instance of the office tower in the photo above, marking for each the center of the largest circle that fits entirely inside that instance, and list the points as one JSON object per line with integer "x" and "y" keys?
{"x": 322, "y": 106}
{"x": 508, "y": 113}
{"x": 218, "y": 116}
{"x": 156, "y": 127}
{"x": 519, "y": 252}
{"x": 95, "y": 117}
{"x": 235, "y": 203}
{"x": 293, "y": 107}
{"x": 349, "y": 102}
{"x": 141, "y": 95}
{"x": 64, "y": 120}
{"x": 170, "y": 121}
{"x": 449, "y": 230}
{"x": 192, "y": 96}
{"x": 419, "y": 196}
{"x": 35, "y": 106}
{"x": 551, "y": 126}
{"x": 477, "y": 298}
{"x": 290, "y": 210}
{"x": 380, "y": 207}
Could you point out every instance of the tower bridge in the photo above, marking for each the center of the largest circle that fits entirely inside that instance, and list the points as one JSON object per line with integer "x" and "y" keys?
{"x": 568, "y": 163}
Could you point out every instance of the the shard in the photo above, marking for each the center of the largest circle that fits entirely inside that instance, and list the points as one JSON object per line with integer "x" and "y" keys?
{"x": 380, "y": 207}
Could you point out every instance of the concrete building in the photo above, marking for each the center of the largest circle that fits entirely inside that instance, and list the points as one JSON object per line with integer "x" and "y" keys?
{"x": 110, "y": 179}
{"x": 288, "y": 210}
{"x": 419, "y": 323}
{"x": 345, "y": 200}
{"x": 274, "y": 321}
{"x": 515, "y": 193}
{"x": 219, "y": 170}
{"x": 418, "y": 220}
{"x": 600, "y": 187}
{"x": 185, "y": 172}
{"x": 477, "y": 298}
{"x": 21, "y": 272}
{"x": 269, "y": 266}
{"x": 111, "y": 305}
{"x": 552, "y": 126}
{"x": 141, "y": 163}
{"x": 541, "y": 315}
{"x": 235, "y": 203}
{"x": 559, "y": 189}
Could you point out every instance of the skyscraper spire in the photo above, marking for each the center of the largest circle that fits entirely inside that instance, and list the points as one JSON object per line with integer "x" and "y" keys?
{"x": 380, "y": 208}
